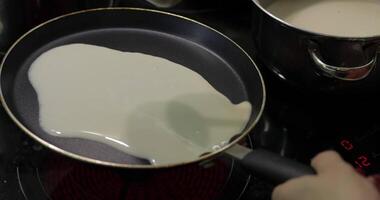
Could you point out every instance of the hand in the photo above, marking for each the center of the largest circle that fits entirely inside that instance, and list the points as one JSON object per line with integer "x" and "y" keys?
{"x": 335, "y": 180}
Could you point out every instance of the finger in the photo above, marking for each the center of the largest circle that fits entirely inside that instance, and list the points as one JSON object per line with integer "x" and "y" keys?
{"x": 371, "y": 179}
{"x": 292, "y": 189}
{"x": 327, "y": 161}
{"x": 375, "y": 180}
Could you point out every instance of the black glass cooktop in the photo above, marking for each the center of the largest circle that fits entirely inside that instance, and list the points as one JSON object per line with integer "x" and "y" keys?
{"x": 296, "y": 124}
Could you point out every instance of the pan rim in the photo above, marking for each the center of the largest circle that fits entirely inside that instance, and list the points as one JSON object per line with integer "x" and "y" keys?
{"x": 121, "y": 165}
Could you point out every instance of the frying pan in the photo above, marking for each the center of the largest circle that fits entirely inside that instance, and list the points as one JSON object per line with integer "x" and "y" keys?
{"x": 204, "y": 50}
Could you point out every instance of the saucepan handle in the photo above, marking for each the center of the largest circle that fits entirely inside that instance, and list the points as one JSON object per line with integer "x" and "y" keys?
{"x": 341, "y": 73}
{"x": 268, "y": 165}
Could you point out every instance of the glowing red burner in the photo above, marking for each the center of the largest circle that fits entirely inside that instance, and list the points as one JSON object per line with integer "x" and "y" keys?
{"x": 66, "y": 179}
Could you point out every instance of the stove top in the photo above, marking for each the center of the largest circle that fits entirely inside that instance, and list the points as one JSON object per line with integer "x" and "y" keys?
{"x": 29, "y": 171}
{"x": 296, "y": 123}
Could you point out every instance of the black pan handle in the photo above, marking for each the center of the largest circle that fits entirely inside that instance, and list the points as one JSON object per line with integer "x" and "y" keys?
{"x": 268, "y": 165}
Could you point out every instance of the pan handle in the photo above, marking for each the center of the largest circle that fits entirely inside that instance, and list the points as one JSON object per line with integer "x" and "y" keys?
{"x": 269, "y": 165}
{"x": 341, "y": 73}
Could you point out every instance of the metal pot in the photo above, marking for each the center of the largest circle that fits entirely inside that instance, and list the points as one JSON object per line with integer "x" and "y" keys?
{"x": 314, "y": 60}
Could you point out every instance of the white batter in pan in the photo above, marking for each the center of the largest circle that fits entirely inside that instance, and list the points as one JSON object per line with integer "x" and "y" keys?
{"x": 144, "y": 105}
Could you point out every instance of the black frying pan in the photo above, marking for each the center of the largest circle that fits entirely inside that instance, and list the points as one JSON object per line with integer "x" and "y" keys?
{"x": 217, "y": 58}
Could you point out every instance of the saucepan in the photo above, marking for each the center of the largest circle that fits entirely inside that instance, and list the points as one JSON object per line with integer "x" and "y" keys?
{"x": 314, "y": 59}
{"x": 204, "y": 50}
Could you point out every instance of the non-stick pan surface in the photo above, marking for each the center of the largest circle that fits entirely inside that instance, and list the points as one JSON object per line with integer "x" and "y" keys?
{"x": 218, "y": 59}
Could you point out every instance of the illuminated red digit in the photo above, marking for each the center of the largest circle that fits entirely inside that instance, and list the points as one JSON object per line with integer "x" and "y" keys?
{"x": 347, "y": 145}
{"x": 364, "y": 161}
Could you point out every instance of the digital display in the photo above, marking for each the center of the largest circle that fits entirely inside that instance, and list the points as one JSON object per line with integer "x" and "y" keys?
{"x": 360, "y": 160}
